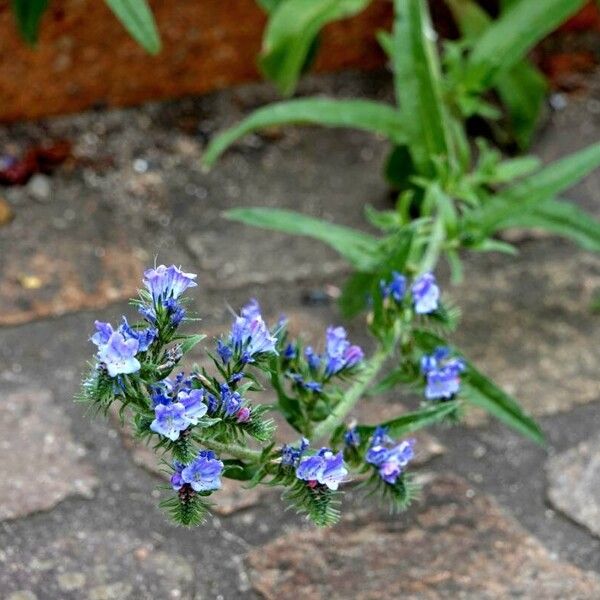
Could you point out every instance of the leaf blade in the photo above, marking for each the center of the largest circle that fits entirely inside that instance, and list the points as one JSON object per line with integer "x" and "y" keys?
{"x": 137, "y": 18}
{"x": 367, "y": 115}
{"x": 28, "y": 14}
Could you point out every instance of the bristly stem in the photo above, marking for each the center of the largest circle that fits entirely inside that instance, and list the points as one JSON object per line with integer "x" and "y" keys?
{"x": 232, "y": 450}
{"x": 354, "y": 393}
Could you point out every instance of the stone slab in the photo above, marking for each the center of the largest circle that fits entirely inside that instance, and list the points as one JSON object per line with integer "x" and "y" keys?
{"x": 574, "y": 483}
{"x": 40, "y": 462}
{"x": 104, "y": 565}
{"x": 455, "y": 544}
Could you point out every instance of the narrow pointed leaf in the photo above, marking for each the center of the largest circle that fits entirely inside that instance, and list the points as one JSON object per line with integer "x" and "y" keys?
{"x": 367, "y": 115}
{"x": 510, "y": 37}
{"x": 28, "y": 14}
{"x": 355, "y": 246}
{"x": 417, "y": 77}
{"x": 291, "y": 32}
{"x": 137, "y": 18}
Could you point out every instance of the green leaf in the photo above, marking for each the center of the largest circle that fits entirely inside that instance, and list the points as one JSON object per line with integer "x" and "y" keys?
{"x": 413, "y": 421}
{"x": 191, "y": 341}
{"x": 136, "y": 17}
{"x": 28, "y": 14}
{"x": 269, "y": 5}
{"x": 509, "y": 38}
{"x": 562, "y": 218}
{"x": 522, "y": 89}
{"x": 514, "y": 168}
{"x": 483, "y": 392}
{"x": 292, "y": 29}
{"x": 399, "y": 168}
{"x": 368, "y": 115}
{"x": 417, "y": 78}
{"x": 355, "y": 246}
{"x": 531, "y": 191}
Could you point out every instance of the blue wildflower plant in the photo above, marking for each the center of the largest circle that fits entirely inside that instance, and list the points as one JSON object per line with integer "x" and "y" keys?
{"x": 207, "y": 423}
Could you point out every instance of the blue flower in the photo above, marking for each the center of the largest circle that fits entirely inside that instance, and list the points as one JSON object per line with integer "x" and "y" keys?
{"x": 204, "y": 473}
{"x": 339, "y": 354}
{"x": 118, "y": 354}
{"x": 169, "y": 420}
{"x": 250, "y": 335}
{"x": 442, "y": 374}
{"x": 396, "y": 288}
{"x": 224, "y": 351}
{"x": 194, "y": 406}
{"x": 290, "y": 455}
{"x": 103, "y": 333}
{"x": 389, "y": 461}
{"x": 176, "y": 479}
{"x": 289, "y": 352}
{"x": 231, "y": 402}
{"x": 425, "y": 293}
{"x": 145, "y": 337}
{"x": 312, "y": 358}
{"x": 352, "y": 438}
{"x": 175, "y": 310}
{"x": 325, "y": 468}
{"x": 212, "y": 403}
{"x": 353, "y": 356}
{"x": 167, "y": 282}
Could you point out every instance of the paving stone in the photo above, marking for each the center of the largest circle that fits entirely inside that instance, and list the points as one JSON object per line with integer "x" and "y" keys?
{"x": 540, "y": 340}
{"x": 574, "y": 483}
{"x": 99, "y": 565}
{"x": 456, "y": 544}
{"x": 42, "y": 465}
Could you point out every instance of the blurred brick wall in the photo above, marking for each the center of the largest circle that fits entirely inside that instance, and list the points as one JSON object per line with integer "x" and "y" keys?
{"x": 85, "y": 58}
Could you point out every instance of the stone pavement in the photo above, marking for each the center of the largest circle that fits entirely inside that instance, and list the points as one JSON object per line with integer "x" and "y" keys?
{"x": 499, "y": 517}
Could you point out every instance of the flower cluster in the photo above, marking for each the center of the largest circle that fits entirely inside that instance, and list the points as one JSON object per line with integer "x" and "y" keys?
{"x": 229, "y": 403}
{"x": 425, "y": 293}
{"x": 389, "y": 459}
{"x": 250, "y": 338}
{"x": 442, "y": 374}
{"x": 203, "y": 474}
{"x": 339, "y": 358}
{"x": 117, "y": 349}
{"x": 176, "y": 407}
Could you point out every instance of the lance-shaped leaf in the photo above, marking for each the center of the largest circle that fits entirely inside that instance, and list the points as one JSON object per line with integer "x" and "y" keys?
{"x": 417, "y": 78}
{"x": 28, "y": 14}
{"x": 562, "y": 218}
{"x": 510, "y": 37}
{"x": 522, "y": 88}
{"x": 413, "y": 421}
{"x": 481, "y": 391}
{"x": 367, "y": 115}
{"x": 136, "y": 17}
{"x": 544, "y": 185}
{"x": 291, "y": 32}
{"x": 356, "y": 247}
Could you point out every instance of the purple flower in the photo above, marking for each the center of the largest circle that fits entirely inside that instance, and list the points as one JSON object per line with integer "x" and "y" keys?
{"x": 204, "y": 473}
{"x": 352, "y": 438}
{"x": 195, "y": 408}
{"x": 376, "y": 455}
{"x": 118, "y": 354}
{"x": 290, "y": 455}
{"x": 145, "y": 337}
{"x": 353, "y": 356}
{"x": 176, "y": 479}
{"x": 175, "y": 310}
{"x": 326, "y": 468}
{"x": 212, "y": 403}
{"x": 425, "y": 294}
{"x": 251, "y": 310}
{"x": 396, "y": 288}
{"x": 398, "y": 457}
{"x": 224, "y": 351}
{"x": 169, "y": 420}
{"x": 442, "y": 374}
{"x": 250, "y": 334}
{"x": 167, "y": 282}
{"x": 336, "y": 342}
{"x": 243, "y": 415}
{"x": 312, "y": 358}
{"x": 289, "y": 352}
{"x": 103, "y": 333}
{"x": 231, "y": 402}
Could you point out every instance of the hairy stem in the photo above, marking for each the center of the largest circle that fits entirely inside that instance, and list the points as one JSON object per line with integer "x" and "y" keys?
{"x": 233, "y": 450}
{"x": 354, "y": 393}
